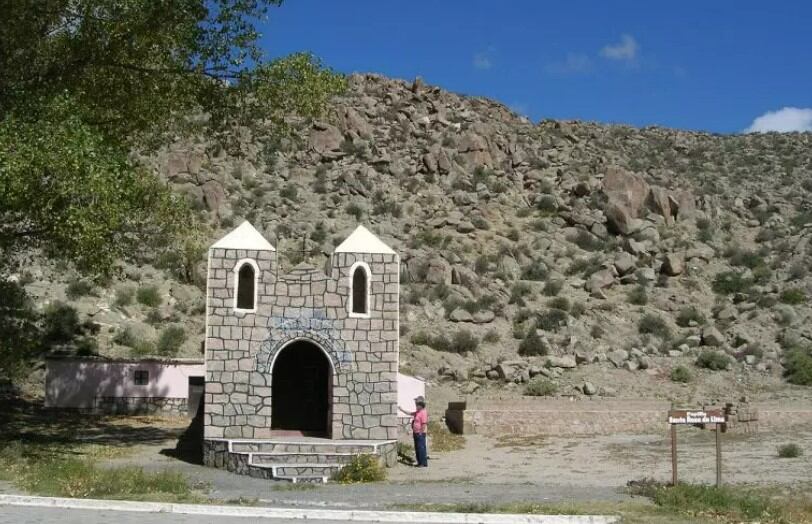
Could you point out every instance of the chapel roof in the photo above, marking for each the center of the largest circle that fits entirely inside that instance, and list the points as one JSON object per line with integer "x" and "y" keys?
{"x": 363, "y": 241}
{"x": 245, "y": 236}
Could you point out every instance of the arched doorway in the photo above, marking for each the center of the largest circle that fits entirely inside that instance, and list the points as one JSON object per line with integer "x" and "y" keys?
{"x": 302, "y": 390}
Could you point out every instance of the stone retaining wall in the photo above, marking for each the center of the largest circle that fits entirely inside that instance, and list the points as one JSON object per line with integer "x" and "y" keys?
{"x": 141, "y": 406}
{"x": 556, "y": 417}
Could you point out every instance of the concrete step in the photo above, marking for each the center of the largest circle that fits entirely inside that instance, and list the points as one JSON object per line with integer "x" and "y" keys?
{"x": 302, "y": 447}
{"x": 261, "y": 459}
{"x": 290, "y": 471}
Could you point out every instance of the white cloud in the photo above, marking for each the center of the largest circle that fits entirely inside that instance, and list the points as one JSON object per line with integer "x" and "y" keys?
{"x": 626, "y": 50}
{"x": 785, "y": 120}
{"x": 483, "y": 61}
{"x": 574, "y": 64}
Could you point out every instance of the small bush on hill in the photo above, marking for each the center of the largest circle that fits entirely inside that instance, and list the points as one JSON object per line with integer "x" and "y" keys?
{"x": 148, "y": 296}
{"x": 798, "y": 366}
{"x": 60, "y": 324}
{"x": 681, "y": 374}
{"x": 561, "y": 303}
{"x": 713, "y": 360}
{"x": 363, "y": 468}
{"x": 638, "y": 295}
{"x": 170, "y": 341}
{"x": 654, "y": 325}
{"x": 124, "y": 296}
{"x": 553, "y": 287}
{"x": 793, "y": 296}
{"x": 690, "y": 314}
{"x": 540, "y": 387}
{"x": 289, "y": 192}
{"x": 791, "y": 450}
{"x": 552, "y": 320}
{"x": 461, "y": 342}
{"x": 78, "y": 288}
{"x": 532, "y": 345}
{"x": 355, "y": 210}
{"x": 518, "y": 292}
{"x": 537, "y": 270}
{"x": 730, "y": 282}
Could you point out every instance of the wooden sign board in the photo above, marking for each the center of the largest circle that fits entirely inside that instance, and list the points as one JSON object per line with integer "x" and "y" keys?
{"x": 694, "y": 416}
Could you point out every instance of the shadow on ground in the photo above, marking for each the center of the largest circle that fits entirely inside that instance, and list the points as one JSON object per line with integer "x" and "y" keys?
{"x": 30, "y": 422}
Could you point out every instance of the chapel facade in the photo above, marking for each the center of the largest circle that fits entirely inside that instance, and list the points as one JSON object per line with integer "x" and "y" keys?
{"x": 305, "y": 351}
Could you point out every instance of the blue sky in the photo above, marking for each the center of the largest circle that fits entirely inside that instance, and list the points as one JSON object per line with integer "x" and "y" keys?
{"x": 709, "y": 65}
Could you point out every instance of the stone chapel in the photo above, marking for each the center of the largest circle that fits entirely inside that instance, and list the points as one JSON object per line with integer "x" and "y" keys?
{"x": 304, "y": 351}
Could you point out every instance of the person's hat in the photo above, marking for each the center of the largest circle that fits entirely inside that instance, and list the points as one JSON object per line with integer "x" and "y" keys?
{"x": 420, "y": 400}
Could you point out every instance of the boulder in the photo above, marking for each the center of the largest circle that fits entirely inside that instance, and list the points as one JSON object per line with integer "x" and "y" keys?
{"x": 484, "y": 316}
{"x": 626, "y": 189}
{"x": 601, "y": 279}
{"x": 631, "y": 365}
{"x": 460, "y": 315}
{"x": 673, "y": 264}
{"x": 624, "y": 263}
{"x": 325, "y": 137}
{"x": 438, "y": 271}
{"x": 565, "y": 361}
{"x": 589, "y": 389}
{"x": 505, "y": 371}
{"x": 465, "y": 226}
{"x": 645, "y": 275}
{"x": 660, "y": 203}
{"x": 620, "y": 219}
{"x": 712, "y": 337}
{"x": 617, "y": 357}
{"x": 214, "y": 197}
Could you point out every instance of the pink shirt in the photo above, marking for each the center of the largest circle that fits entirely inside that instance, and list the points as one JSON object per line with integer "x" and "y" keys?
{"x": 420, "y": 421}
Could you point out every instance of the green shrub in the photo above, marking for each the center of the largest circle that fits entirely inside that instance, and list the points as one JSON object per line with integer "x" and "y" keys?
{"x": 638, "y": 296}
{"x": 681, "y": 374}
{"x": 148, "y": 296}
{"x": 587, "y": 241}
{"x": 464, "y": 341}
{"x": 124, "y": 296}
{"x": 798, "y": 366}
{"x": 713, "y": 360}
{"x": 491, "y": 336}
{"x": 553, "y": 287}
{"x": 355, "y": 210}
{"x": 690, "y": 314}
{"x": 532, "y": 345}
{"x": 546, "y": 204}
{"x": 363, "y": 468}
{"x": 480, "y": 223}
{"x": 734, "y": 503}
{"x": 170, "y": 341}
{"x": 461, "y": 342}
{"x": 791, "y": 450}
{"x": 60, "y": 324}
{"x": 540, "y": 387}
{"x": 793, "y": 296}
{"x": 585, "y": 266}
{"x": 577, "y": 309}
{"x": 654, "y": 325}
{"x": 78, "y": 288}
{"x": 518, "y": 292}
{"x": 730, "y": 282}
{"x": 552, "y": 320}
{"x": 745, "y": 258}
{"x": 289, "y": 192}
{"x": 561, "y": 303}
{"x": 537, "y": 270}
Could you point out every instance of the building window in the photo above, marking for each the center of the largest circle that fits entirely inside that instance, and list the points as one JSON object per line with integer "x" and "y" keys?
{"x": 359, "y": 296}
{"x": 141, "y": 377}
{"x": 246, "y": 284}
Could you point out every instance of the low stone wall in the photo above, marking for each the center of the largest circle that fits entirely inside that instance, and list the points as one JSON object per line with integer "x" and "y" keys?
{"x": 563, "y": 417}
{"x": 141, "y": 406}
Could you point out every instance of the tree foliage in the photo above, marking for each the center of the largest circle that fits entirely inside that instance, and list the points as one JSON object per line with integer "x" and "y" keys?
{"x": 85, "y": 83}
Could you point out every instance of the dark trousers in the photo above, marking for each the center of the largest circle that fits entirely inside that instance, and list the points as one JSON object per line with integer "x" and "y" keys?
{"x": 420, "y": 449}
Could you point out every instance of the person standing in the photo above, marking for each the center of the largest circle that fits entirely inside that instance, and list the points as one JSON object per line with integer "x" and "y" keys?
{"x": 420, "y": 424}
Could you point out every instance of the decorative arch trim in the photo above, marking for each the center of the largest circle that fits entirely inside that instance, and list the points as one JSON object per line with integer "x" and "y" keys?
{"x": 363, "y": 266}
{"x": 255, "y": 284}
{"x": 284, "y": 344}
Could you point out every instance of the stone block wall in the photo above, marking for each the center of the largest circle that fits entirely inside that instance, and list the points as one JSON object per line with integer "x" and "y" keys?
{"x": 303, "y": 304}
{"x": 141, "y": 406}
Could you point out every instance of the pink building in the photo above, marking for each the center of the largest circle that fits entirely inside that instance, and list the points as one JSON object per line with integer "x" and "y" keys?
{"x": 125, "y": 386}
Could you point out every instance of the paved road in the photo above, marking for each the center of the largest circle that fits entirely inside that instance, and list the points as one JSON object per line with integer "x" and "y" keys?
{"x": 31, "y": 515}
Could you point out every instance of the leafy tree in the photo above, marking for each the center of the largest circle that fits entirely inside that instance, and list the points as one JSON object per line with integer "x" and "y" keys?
{"x": 87, "y": 82}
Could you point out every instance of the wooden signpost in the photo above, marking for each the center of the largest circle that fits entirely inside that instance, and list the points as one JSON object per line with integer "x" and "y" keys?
{"x": 697, "y": 417}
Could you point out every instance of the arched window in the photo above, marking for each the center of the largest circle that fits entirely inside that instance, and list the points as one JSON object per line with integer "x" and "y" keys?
{"x": 359, "y": 303}
{"x": 246, "y": 286}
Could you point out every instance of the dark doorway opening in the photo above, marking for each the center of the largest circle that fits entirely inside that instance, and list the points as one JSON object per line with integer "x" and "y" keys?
{"x": 302, "y": 379}
{"x": 197, "y": 386}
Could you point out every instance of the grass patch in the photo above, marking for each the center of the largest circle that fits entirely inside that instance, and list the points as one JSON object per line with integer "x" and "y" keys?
{"x": 713, "y": 360}
{"x": 790, "y": 450}
{"x": 148, "y": 296}
{"x": 442, "y": 440}
{"x": 363, "y": 468}
{"x": 726, "y": 502}
{"x": 730, "y": 282}
{"x": 793, "y": 296}
{"x": 540, "y": 387}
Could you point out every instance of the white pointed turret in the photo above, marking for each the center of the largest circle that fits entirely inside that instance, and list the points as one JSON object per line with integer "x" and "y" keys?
{"x": 363, "y": 241}
{"x": 244, "y": 237}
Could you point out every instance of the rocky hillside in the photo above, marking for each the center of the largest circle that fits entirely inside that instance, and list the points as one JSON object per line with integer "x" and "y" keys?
{"x": 597, "y": 258}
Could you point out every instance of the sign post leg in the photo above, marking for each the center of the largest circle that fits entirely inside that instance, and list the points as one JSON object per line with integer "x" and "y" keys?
{"x": 718, "y": 456}
{"x": 674, "y": 454}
